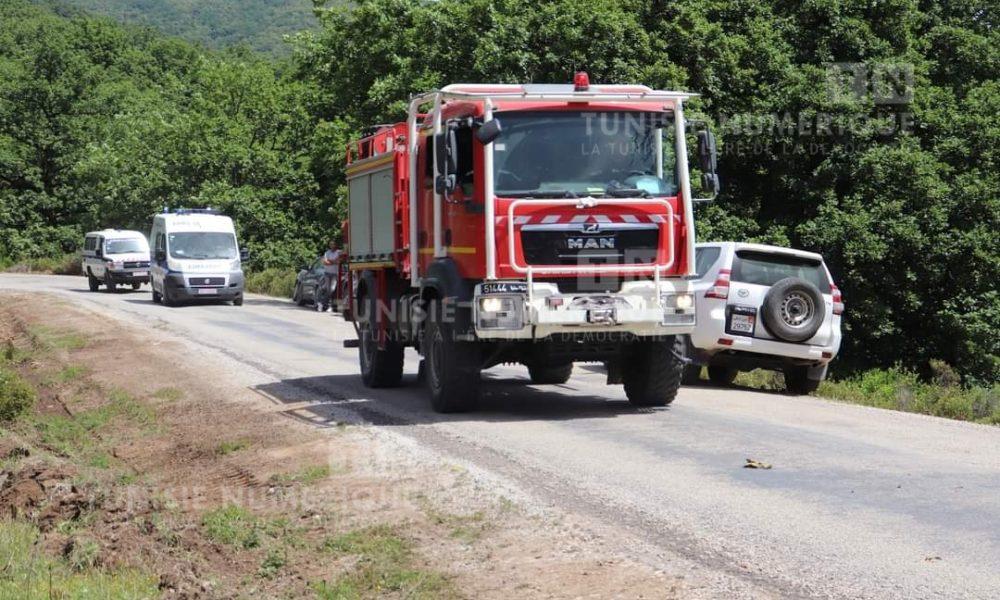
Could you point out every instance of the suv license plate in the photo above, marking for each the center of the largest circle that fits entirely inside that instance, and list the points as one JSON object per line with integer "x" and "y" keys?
{"x": 140, "y": 273}
{"x": 742, "y": 323}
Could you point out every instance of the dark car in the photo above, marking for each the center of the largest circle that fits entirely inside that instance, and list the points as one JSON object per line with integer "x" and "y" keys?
{"x": 308, "y": 283}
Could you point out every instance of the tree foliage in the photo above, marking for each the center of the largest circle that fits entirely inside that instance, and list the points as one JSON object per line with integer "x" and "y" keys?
{"x": 866, "y": 131}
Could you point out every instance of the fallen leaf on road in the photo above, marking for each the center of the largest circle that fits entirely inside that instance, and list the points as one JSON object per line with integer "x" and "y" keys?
{"x": 756, "y": 464}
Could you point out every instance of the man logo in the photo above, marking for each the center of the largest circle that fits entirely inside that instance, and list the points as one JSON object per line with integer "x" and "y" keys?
{"x": 593, "y": 227}
{"x": 590, "y": 243}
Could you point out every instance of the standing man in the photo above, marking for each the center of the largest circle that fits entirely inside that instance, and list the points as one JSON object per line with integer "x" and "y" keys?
{"x": 331, "y": 267}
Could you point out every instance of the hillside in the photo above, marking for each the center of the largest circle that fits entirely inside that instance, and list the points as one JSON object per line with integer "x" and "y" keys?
{"x": 215, "y": 23}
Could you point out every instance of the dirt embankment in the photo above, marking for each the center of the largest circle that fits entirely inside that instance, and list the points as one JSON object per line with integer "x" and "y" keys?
{"x": 134, "y": 458}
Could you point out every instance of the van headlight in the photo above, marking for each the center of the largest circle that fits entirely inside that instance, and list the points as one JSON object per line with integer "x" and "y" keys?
{"x": 678, "y": 309}
{"x": 500, "y": 312}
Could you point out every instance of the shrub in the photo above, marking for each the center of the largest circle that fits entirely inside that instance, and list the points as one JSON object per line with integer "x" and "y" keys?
{"x": 16, "y": 395}
{"x": 68, "y": 264}
{"x": 272, "y": 282}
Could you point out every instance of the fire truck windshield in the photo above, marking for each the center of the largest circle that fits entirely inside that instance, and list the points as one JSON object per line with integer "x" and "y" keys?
{"x": 578, "y": 153}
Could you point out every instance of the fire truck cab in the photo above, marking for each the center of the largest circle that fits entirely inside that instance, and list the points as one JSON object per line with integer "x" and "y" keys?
{"x": 533, "y": 224}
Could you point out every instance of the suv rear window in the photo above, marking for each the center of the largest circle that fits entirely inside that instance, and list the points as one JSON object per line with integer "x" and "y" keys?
{"x": 768, "y": 269}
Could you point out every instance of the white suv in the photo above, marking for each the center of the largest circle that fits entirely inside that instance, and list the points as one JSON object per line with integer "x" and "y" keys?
{"x": 764, "y": 307}
{"x": 115, "y": 257}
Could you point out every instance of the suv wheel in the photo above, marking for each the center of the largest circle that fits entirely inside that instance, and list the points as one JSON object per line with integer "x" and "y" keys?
{"x": 92, "y": 282}
{"x": 653, "y": 373}
{"x": 110, "y": 284}
{"x": 722, "y": 375}
{"x": 797, "y": 381}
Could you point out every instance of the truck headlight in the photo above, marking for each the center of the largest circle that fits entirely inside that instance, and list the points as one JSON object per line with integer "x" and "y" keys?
{"x": 500, "y": 312}
{"x": 682, "y": 301}
{"x": 678, "y": 309}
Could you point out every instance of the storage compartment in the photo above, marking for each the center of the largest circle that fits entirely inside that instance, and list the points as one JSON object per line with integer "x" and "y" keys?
{"x": 371, "y": 210}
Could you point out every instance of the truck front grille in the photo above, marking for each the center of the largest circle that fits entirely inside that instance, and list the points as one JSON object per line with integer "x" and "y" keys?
{"x": 608, "y": 245}
{"x": 142, "y": 264}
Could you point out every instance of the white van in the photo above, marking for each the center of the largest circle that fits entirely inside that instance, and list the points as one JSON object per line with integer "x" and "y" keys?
{"x": 195, "y": 256}
{"x": 115, "y": 257}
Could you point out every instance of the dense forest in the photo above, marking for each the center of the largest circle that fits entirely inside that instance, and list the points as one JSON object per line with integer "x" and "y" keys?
{"x": 260, "y": 24}
{"x": 866, "y": 131}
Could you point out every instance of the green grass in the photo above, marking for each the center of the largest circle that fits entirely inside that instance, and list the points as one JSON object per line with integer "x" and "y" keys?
{"x": 231, "y": 446}
{"x": 72, "y": 372}
{"x": 17, "y": 396}
{"x": 385, "y": 565}
{"x": 232, "y": 525}
{"x": 31, "y": 575}
{"x": 169, "y": 394}
{"x": 305, "y": 476}
{"x": 49, "y": 338}
{"x": 279, "y": 283}
{"x": 77, "y": 436}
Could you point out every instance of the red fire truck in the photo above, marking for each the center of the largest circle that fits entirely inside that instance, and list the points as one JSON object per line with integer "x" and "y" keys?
{"x": 533, "y": 224}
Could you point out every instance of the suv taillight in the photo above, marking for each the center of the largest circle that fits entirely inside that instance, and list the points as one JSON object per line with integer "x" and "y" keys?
{"x": 720, "y": 289}
{"x": 838, "y": 300}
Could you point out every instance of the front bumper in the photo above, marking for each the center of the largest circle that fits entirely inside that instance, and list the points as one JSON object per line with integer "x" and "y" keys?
{"x": 127, "y": 277}
{"x": 636, "y": 310}
{"x": 225, "y": 286}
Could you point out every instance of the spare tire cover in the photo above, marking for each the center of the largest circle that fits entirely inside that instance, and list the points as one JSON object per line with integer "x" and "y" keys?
{"x": 793, "y": 310}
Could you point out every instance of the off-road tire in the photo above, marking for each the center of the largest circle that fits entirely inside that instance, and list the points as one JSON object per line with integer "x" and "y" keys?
{"x": 772, "y": 309}
{"x": 550, "y": 374}
{"x": 722, "y": 375}
{"x": 110, "y": 284}
{"x": 797, "y": 381}
{"x": 92, "y": 282}
{"x": 453, "y": 368}
{"x": 653, "y": 372}
{"x": 297, "y": 295}
{"x": 379, "y": 368}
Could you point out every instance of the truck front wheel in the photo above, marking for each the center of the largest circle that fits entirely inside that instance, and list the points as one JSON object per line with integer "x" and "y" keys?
{"x": 653, "y": 373}
{"x": 452, "y": 369}
{"x": 380, "y": 367}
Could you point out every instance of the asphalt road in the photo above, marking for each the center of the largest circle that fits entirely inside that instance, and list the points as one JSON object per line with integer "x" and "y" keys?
{"x": 860, "y": 502}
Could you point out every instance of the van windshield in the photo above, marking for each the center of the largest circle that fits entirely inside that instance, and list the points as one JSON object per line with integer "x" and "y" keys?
{"x": 201, "y": 245}
{"x": 125, "y": 246}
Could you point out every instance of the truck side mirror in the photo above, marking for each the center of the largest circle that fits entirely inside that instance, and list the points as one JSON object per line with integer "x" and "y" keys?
{"x": 99, "y": 252}
{"x": 160, "y": 255}
{"x": 707, "y": 156}
{"x": 446, "y": 150}
{"x": 244, "y": 254}
{"x": 489, "y": 131}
